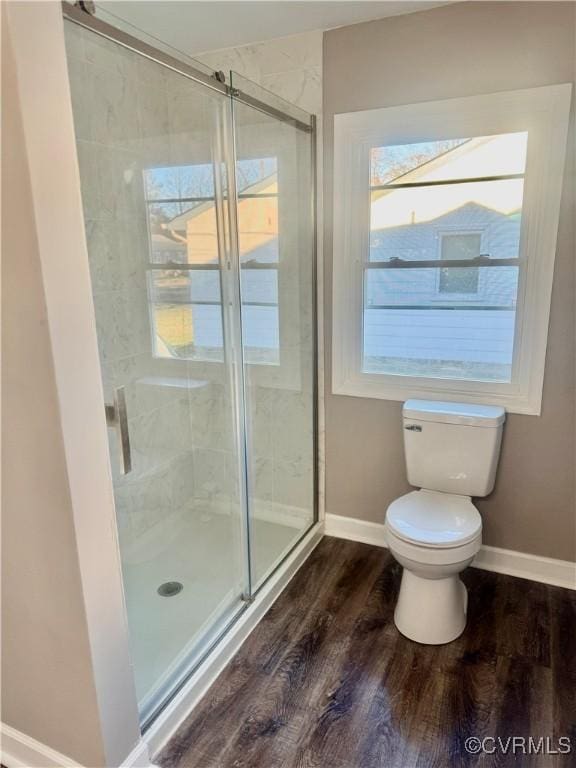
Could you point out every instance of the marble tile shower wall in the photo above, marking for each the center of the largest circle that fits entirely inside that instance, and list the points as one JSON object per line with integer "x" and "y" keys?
{"x": 290, "y": 67}
{"x": 280, "y": 398}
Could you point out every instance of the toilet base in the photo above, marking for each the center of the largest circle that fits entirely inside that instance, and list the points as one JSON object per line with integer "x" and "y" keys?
{"x": 431, "y": 611}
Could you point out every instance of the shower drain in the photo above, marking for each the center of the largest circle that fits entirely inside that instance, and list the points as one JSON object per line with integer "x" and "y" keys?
{"x": 170, "y": 588}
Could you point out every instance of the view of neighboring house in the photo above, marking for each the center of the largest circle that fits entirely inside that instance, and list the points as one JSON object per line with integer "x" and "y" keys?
{"x": 457, "y": 318}
{"x": 187, "y": 308}
{"x": 460, "y": 317}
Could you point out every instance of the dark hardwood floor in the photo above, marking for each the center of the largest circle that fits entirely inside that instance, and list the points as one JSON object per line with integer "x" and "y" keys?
{"x": 326, "y": 680}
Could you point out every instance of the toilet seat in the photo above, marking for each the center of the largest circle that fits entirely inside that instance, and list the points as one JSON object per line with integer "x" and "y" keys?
{"x": 439, "y": 556}
{"x": 434, "y": 520}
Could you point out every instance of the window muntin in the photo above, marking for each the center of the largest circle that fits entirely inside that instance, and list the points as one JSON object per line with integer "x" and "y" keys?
{"x": 441, "y": 278}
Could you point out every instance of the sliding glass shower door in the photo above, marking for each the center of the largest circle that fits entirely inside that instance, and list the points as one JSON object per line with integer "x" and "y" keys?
{"x": 198, "y": 219}
{"x": 275, "y": 221}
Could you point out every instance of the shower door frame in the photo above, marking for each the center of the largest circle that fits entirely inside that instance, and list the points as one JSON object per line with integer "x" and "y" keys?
{"x": 94, "y": 24}
{"x": 310, "y": 537}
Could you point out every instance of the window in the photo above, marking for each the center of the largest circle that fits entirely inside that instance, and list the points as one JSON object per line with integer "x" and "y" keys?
{"x": 445, "y": 233}
{"x": 183, "y": 274}
{"x": 184, "y": 271}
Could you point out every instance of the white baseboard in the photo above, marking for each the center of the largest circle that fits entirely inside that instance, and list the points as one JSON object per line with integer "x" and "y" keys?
{"x": 139, "y": 757}
{"x": 354, "y": 530}
{"x": 22, "y": 751}
{"x": 560, "y": 573}
{"x": 170, "y": 719}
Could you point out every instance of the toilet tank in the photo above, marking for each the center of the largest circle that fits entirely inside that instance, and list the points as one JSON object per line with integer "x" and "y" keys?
{"x": 452, "y": 447}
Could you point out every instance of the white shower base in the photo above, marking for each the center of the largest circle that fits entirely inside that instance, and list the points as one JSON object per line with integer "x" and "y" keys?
{"x": 203, "y": 554}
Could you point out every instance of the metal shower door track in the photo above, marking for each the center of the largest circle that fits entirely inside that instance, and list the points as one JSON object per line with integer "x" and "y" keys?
{"x": 104, "y": 29}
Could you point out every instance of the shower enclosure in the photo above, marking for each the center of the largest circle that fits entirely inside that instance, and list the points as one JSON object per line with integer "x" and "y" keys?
{"x": 198, "y": 201}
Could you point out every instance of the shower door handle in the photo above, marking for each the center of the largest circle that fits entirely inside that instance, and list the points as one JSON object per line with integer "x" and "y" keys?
{"x": 117, "y": 416}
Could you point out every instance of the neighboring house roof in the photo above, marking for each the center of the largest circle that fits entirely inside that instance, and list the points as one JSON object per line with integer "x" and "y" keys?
{"x": 178, "y": 223}
{"x": 166, "y": 243}
{"x": 260, "y": 187}
{"x": 258, "y": 225}
{"x": 421, "y": 240}
{"x": 478, "y": 157}
{"x": 407, "y": 176}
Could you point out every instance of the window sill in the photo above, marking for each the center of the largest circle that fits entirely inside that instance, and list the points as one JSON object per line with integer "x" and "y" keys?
{"x": 179, "y": 383}
{"x": 468, "y": 392}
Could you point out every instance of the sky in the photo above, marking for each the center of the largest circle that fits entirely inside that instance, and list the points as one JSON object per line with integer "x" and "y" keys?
{"x": 184, "y": 181}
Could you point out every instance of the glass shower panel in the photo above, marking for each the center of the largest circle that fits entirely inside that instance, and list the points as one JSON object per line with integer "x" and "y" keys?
{"x": 153, "y": 188}
{"x": 274, "y": 182}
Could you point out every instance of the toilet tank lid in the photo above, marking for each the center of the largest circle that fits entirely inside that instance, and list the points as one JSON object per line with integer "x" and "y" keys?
{"x": 468, "y": 414}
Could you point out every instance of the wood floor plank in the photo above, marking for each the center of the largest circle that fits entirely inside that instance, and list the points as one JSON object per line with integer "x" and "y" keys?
{"x": 563, "y": 655}
{"x": 342, "y": 719}
{"x": 310, "y": 597}
{"x": 327, "y": 681}
{"x": 522, "y": 709}
{"x": 313, "y": 655}
{"x": 241, "y": 681}
{"x": 523, "y": 620}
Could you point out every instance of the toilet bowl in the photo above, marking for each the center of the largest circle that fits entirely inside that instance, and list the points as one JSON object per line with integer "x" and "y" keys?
{"x": 433, "y": 536}
{"x": 451, "y": 452}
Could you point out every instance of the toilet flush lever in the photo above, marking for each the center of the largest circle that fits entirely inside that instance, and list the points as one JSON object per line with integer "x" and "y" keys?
{"x": 413, "y": 427}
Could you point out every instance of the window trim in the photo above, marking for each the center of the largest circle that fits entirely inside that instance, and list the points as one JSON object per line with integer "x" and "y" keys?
{"x": 543, "y": 112}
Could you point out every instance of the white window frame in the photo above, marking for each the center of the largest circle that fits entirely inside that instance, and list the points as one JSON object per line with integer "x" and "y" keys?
{"x": 543, "y": 112}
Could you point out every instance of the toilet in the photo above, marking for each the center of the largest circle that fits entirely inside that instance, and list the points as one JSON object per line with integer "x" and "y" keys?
{"x": 451, "y": 452}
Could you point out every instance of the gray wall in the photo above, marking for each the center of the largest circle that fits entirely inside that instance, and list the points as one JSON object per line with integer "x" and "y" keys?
{"x": 47, "y": 680}
{"x": 461, "y": 50}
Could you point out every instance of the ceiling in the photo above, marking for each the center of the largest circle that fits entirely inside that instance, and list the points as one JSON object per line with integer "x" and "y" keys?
{"x": 196, "y": 26}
